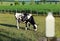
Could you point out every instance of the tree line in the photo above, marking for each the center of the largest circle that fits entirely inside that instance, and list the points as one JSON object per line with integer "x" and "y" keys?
{"x": 16, "y": 2}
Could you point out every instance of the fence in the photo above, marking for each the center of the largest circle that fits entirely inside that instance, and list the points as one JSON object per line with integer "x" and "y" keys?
{"x": 29, "y": 11}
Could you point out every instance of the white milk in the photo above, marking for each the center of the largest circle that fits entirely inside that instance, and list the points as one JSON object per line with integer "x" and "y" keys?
{"x": 50, "y": 25}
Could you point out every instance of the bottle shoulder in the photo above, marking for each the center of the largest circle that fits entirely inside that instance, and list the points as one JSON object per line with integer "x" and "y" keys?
{"x": 50, "y": 17}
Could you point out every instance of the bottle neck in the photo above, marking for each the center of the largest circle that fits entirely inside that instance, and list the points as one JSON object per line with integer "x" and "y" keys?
{"x": 50, "y": 14}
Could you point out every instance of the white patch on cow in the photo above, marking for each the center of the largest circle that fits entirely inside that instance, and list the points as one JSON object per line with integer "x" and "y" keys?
{"x": 19, "y": 15}
{"x": 36, "y": 27}
{"x": 29, "y": 16}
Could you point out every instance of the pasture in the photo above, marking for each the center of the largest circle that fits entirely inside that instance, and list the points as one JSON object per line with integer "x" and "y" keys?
{"x": 9, "y": 32}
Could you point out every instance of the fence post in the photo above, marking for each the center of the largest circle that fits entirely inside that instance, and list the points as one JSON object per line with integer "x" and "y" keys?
{"x": 31, "y": 11}
{"x": 59, "y": 12}
{"x": 37, "y": 12}
{"x": 16, "y": 10}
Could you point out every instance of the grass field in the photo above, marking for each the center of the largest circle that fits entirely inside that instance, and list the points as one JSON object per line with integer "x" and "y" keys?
{"x": 9, "y": 32}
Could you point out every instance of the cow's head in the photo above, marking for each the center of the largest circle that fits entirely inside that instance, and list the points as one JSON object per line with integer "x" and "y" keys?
{"x": 19, "y": 16}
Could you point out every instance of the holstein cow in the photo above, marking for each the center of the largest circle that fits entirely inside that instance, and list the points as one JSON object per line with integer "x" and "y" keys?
{"x": 27, "y": 19}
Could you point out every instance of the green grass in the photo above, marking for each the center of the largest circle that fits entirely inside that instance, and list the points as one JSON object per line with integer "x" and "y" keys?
{"x": 40, "y": 7}
{"x": 9, "y": 32}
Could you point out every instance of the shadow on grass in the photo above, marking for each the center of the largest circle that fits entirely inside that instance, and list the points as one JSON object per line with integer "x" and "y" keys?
{"x": 4, "y": 37}
{"x": 8, "y": 25}
{"x": 11, "y": 25}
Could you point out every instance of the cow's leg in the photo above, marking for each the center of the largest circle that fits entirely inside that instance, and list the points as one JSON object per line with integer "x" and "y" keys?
{"x": 33, "y": 23}
{"x": 17, "y": 24}
{"x": 35, "y": 27}
{"x": 27, "y": 25}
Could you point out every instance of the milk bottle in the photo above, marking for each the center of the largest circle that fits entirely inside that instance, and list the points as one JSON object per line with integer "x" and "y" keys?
{"x": 50, "y": 25}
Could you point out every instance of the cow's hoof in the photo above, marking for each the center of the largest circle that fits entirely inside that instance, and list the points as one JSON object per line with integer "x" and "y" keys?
{"x": 26, "y": 28}
{"x": 18, "y": 28}
{"x": 35, "y": 29}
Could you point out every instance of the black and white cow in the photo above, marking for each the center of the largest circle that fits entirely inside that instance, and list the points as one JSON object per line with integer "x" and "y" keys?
{"x": 27, "y": 19}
